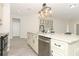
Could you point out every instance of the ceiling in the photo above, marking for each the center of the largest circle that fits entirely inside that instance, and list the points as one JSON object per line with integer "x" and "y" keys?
{"x": 61, "y": 10}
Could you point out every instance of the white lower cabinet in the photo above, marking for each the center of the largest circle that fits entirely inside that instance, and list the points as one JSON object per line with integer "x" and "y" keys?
{"x": 29, "y": 38}
{"x": 32, "y": 40}
{"x": 35, "y": 43}
{"x": 60, "y": 48}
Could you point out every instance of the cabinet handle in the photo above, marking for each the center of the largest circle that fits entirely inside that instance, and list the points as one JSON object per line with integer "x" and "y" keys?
{"x": 57, "y": 45}
{"x": 44, "y": 41}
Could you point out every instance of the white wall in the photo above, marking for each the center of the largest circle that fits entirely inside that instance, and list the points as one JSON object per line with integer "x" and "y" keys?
{"x": 73, "y": 25}
{"x": 6, "y": 21}
{"x": 33, "y": 23}
{"x": 24, "y": 26}
{"x": 59, "y": 25}
{"x": 1, "y": 7}
{"x": 6, "y": 18}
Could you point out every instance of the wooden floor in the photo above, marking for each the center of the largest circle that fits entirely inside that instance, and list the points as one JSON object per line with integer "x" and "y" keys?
{"x": 19, "y": 47}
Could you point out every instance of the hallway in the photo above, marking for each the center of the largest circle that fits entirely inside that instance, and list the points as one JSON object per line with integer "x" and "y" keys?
{"x": 19, "y": 47}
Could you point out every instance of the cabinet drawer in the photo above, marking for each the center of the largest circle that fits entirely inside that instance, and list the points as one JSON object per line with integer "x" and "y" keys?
{"x": 59, "y": 52}
{"x": 58, "y": 44}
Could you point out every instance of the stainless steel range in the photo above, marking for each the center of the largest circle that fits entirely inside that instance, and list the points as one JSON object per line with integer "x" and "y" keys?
{"x": 44, "y": 46}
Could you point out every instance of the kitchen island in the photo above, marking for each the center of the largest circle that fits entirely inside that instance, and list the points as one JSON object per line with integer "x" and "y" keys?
{"x": 60, "y": 44}
{"x": 63, "y": 44}
{"x": 63, "y": 37}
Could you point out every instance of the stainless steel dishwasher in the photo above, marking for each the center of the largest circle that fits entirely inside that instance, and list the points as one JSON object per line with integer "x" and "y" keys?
{"x": 44, "y": 46}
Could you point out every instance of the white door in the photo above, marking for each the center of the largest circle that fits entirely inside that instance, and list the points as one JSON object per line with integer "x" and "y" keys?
{"x": 15, "y": 27}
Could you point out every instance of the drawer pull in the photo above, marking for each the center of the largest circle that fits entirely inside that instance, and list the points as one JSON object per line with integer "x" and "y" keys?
{"x": 57, "y": 45}
{"x": 44, "y": 41}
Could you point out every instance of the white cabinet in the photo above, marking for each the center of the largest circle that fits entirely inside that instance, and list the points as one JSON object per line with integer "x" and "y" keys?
{"x": 35, "y": 42}
{"x": 32, "y": 40}
{"x": 29, "y": 38}
{"x": 61, "y": 48}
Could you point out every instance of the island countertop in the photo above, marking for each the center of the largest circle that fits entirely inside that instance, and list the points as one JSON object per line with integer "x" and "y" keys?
{"x": 62, "y": 37}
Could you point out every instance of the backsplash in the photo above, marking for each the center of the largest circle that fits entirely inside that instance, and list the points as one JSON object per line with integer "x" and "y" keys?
{"x": 47, "y": 25}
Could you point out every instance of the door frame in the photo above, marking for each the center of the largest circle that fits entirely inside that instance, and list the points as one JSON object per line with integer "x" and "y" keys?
{"x": 19, "y": 26}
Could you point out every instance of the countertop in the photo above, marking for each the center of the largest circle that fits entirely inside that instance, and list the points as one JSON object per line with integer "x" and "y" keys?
{"x": 62, "y": 37}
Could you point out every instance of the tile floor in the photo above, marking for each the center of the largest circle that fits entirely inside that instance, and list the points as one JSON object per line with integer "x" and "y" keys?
{"x": 19, "y": 47}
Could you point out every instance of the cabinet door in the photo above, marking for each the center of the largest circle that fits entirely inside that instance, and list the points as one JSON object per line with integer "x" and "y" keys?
{"x": 35, "y": 43}
{"x": 29, "y": 39}
{"x": 59, "y": 48}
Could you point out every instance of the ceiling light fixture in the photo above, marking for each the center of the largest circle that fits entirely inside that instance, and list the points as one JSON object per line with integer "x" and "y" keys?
{"x": 45, "y": 11}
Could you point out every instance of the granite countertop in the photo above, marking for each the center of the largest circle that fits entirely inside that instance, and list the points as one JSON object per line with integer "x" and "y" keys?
{"x": 62, "y": 37}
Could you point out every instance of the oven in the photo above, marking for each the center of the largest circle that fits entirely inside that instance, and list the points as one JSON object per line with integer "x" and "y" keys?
{"x": 44, "y": 46}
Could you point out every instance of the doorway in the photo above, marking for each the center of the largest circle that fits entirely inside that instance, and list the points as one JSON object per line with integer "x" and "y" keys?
{"x": 15, "y": 27}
